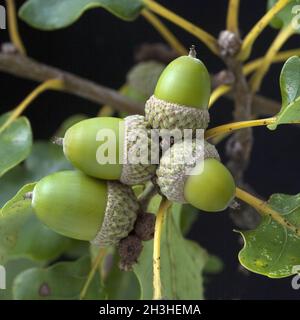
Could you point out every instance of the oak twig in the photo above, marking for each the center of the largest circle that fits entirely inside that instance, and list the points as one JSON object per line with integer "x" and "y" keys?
{"x": 28, "y": 68}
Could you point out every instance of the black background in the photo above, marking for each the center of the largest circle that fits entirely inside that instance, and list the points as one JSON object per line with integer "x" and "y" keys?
{"x": 101, "y": 47}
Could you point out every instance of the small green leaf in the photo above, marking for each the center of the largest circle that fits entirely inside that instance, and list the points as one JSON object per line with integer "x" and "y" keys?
{"x": 61, "y": 281}
{"x": 56, "y": 14}
{"x": 12, "y": 218}
{"x": 285, "y": 16}
{"x": 13, "y": 268}
{"x": 182, "y": 263}
{"x": 15, "y": 143}
{"x": 290, "y": 80}
{"x": 290, "y": 92}
{"x": 213, "y": 265}
{"x": 272, "y": 249}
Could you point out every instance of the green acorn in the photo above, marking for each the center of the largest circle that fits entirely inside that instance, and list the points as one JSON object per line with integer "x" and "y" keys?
{"x": 81, "y": 145}
{"x": 143, "y": 77}
{"x": 181, "y": 96}
{"x": 84, "y": 208}
{"x": 204, "y": 181}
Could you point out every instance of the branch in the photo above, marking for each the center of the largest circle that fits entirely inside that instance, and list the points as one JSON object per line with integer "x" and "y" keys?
{"x": 239, "y": 146}
{"x": 261, "y": 105}
{"x": 28, "y": 68}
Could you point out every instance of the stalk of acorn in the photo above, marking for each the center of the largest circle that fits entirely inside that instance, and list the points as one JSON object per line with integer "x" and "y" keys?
{"x": 96, "y": 201}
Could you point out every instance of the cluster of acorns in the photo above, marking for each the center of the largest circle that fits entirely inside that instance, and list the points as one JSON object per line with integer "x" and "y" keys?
{"x": 96, "y": 202}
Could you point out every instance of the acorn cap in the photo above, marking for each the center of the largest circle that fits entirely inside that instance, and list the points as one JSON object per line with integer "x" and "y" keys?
{"x": 167, "y": 115}
{"x": 132, "y": 174}
{"x": 120, "y": 215}
{"x": 172, "y": 172}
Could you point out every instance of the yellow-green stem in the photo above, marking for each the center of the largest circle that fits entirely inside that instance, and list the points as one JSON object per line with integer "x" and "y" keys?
{"x": 226, "y": 128}
{"x": 248, "y": 69}
{"x": 258, "y": 28}
{"x": 53, "y": 84}
{"x": 157, "y": 290}
{"x": 218, "y": 93}
{"x": 13, "y": 27}
{"x": 165, "y": 32}
{"x": 264, "y": 209}
{"x": 279, "y": 41}
{"x": 279, "y": 57}
{"x": 91, "y": 274}
{"x": 232, "y": 23}
{"x": 209, "y": 40}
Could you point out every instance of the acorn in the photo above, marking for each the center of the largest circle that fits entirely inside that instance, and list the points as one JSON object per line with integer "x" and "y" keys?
{"x": 181, "y": 96}
{"x": 143, "y": 77}
{"x": 85, "y": 208}
{"x": 82, "y": 144}
{"x": 202, "y": 181}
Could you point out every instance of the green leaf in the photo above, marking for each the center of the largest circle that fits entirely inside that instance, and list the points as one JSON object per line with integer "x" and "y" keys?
{"x": 56, "y": 14}
{"x": 272, "y": 249}
{"x": 182, "y": 263}
{"x": 63, "y": 281}
{"x": 38, "y": 242}
{"x": 12, "y": 218}
{"x": 119, "y": 285}
{"x": 290, "y": 80}
{"x": 290, "y": 92}
{"x": 44, "y": 159}
{"x": 15, "y": 143}
{"x": 188, "y": 216}
{"x": 13, "y": 268}
{"x": 285, "y": 16}
{"x": 213, "y": 265}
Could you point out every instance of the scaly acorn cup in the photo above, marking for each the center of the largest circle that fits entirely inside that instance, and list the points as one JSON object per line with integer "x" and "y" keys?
{"x": 84, "y": 208}
{"x": 181, "y": 96}
{"x": 207, "y": 184}
{"x": 85, "y": 141}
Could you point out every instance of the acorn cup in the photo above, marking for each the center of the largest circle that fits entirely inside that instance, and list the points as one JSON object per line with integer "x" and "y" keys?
{"x": 181, "y": 96}
{"x": 203, "y": 181}
{"x": 83, "y": 143}
{"x": 84, "y": 208}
